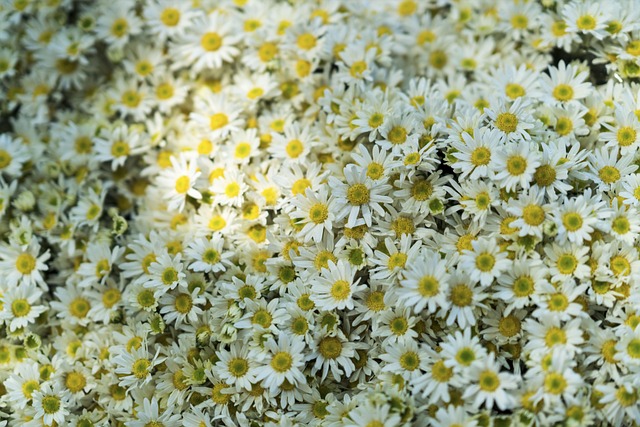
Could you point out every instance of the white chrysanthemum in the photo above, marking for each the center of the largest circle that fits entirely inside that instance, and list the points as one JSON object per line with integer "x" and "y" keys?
{"x": 282, "y": 361}
{"x": 335, "y": 286}
{"x": 177, "y": 182}
{"x": 425, "y": 284}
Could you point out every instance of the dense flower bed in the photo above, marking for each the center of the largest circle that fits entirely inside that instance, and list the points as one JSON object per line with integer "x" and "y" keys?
{"x": 337, "y": 213}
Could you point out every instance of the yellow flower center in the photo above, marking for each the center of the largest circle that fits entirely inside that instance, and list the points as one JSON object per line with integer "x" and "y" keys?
{"x": 111, "y": 297}
{"x": 281, "y": 362}
{"x": 50, "y": 404}
{"x": 509, "y": 326}
{"x": 626, "y": 136}
{"x": 330, "y": 347}
{"x": 461, "y": 295}
{"x": 555, "y": 383}
{"x": 572, "y": 221}
{"x": 25, "y": 263}
{"x": 488, "y": 381}
{"x": 218, "y": 121}
{"x": 170, "y": 17}
{"x": 294, "y": 148}
{"x": 358, "y": 194}
{"x": 609, "y": 174}
{"x": 480, "y": 156}
{"x": 485, "y": 262}
{"x": 563, "y": 92}
{"x": 79, "y": 307}
{"x": 440, "y": 372}
{"x": 5, "y": 159}
{"x": 211, "y": 41}
{"x": 75, "y": 381}
{"x": 340, "y": 290}
{"x": 516, "y": 165}
{"x": 507, "y": 122}
{"x": 410, "y": 361}
{"x": 140, "y": 368}
{"x": 514, "y": 90}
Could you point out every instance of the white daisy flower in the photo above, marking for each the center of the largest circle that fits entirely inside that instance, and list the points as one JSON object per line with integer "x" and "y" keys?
{"x": 335, "y": 287}
{"x": 177, "y": 182}
{"x": 19, "y": 308}
{"x": 208, "y": 254}
{"x": 424, "y": 284}
{"x": 485, "y": 262}
{"x": 315, "y": 212}
{"x": 24, "y": 265}
{"x": 516, "y": 165}
{"x": 282, "y": 361}
{"x": 490, "y": 385}
{"x": 51, "y": 403}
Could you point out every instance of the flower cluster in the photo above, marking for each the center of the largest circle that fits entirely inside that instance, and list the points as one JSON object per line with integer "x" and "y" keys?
{"x": 322, "y": 213}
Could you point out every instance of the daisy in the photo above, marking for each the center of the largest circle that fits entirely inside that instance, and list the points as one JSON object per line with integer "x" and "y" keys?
{"x": 586, "y": 18}
{"x": 490, "y": 385}
{"x": 619, "y": 400}
{"x": 531, "y": 213}
{"x": 576, "y": 217}
{"x": 475, "y": 199}
{"x": 282, "y": 361}
{"x": 477, "y": 154}
{"x": 453, "y": 416}
{"x": 117, "y": 144}
{"x": 315, "y": 212}
{"x": 149, "y": 414}
{"x": 391, "y": 263}
{"x": 19, "y": 308}
{"x": 567, "y": 261}
{"x": 229, "y": 188}
{"x": 461, "y": 350}
{"x": 166, "y": 19}
{"x": 332, "y": 353}
{"x": 358, "y": 198}
{"x": 51, "y": 404}
{"x": 517, "y": 286}
{"x": 219, "y": 115}
{"x": 607, "y": 169}
{"x": 564, "y": 84}
{"x": 511, "y": 121}
{"x": 166, "y": 273}
{"x": 559, "y": 380}
{"x": 97, "y": 268}
{"x": 549, "y": 333}
{"x": 559, "y": 301}
{"x": 379, "y": 163}
{"x": 177, "y": 183}
{"x": 208, "y": 254}
{"x": 624, "y": 133}
{"x": 335, "y": 287}
{"x": 551, "y": 174}
{"x": 181, "y": 307}
{"x": 408, "y": 359}
{"x": 424, "y": 284}
{"x": 624, "y": 222}
{"x": 22, "y": 383}
{"x": 374, "y": 415}
{"x": 208, "y": 43}
{"x": 485, "y": 262}
{"x": 13, "y": 155}
{"x": 135, "y": 366}
{"x": 294, "y": 145}
{"x": 462, "y": 299}
{"x": 236, "y": 367}
{"x": 516, "y": 165}
{"x": 23, "y": 266}
{"x": 372, "y": 115}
